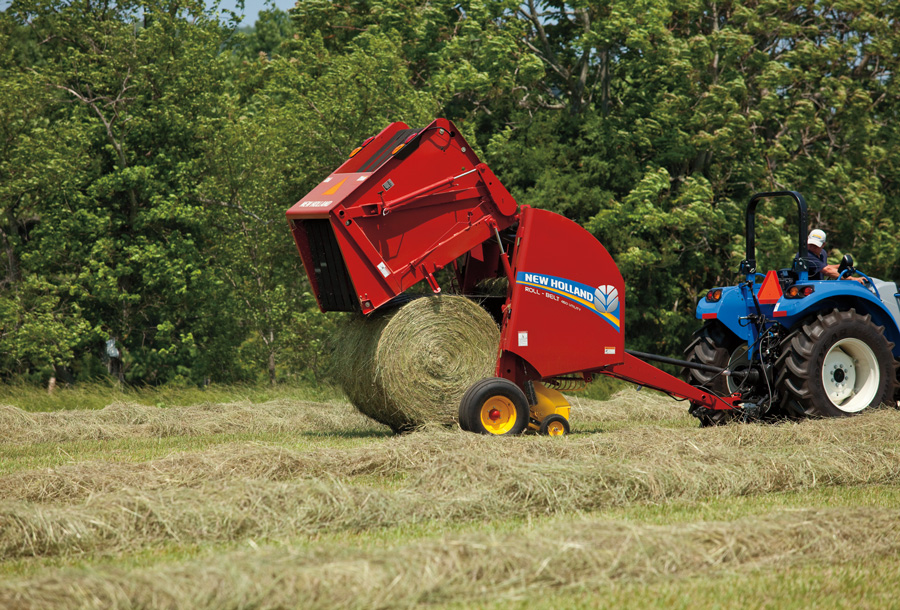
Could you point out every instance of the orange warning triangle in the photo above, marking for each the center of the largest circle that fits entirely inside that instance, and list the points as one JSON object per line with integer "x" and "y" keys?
{"x": 770, "y": 291}
{"x": 334, "y": 189}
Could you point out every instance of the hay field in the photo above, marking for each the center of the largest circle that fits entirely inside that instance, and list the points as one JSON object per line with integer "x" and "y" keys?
{"x": 298, "y": 504}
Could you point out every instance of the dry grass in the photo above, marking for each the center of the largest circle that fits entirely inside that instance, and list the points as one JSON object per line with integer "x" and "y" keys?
{"x": 246, "y": 491}
{"x": 276, "y": 524}
{"x": 76, "y": 482}
{"x": 859, "y": 450}
{"x": 92, "y": 395}
{"x": 129, "y": 420}
{"x": 397, "y": 368}
{"x": 554, "y": 558}
{"x": 628, "y": 405}
{"x": 131, "y": 519}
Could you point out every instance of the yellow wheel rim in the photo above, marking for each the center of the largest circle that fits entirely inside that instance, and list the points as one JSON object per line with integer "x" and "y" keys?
{"x": 556, "y": 428}
{"x": 498, "y": 415}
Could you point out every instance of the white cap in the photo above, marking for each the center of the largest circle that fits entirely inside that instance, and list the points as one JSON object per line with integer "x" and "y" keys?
{"x": 816, "y": 237}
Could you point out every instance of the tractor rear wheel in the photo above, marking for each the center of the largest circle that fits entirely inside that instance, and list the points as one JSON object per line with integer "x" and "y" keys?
{"x": 837, "y": 364}
{"x": 494, "y": 406}
{"x": 717, "y": 346}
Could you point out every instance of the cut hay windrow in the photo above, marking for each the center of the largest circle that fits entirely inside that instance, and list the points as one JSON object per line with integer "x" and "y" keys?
{"x": 132, "y": 519}
{"x": 448, "y": 476}
{"x": 230, "y": 461}
{"x": 550, "y": 559}
{"x": 129, "y": 420}
{"x": 411, "y": 366}
{"x": 828, "y": 445}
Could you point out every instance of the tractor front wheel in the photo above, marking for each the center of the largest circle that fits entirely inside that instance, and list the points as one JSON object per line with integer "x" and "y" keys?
{"x": 835, "y": 365}
{"x": 494, "y": 406}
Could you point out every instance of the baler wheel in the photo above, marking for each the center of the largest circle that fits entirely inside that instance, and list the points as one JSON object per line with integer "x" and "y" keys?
{"x": 838, "y": 364}
{"x": 554, "y": 425}
{"x": 463, "y": 423}
{"x": 494, "y": 406}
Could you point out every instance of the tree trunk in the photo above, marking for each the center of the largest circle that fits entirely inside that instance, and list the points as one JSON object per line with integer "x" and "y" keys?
{"x": 12, "y": 262}
{"x": 271, "y": 357}
{"x": 604, "y": 81}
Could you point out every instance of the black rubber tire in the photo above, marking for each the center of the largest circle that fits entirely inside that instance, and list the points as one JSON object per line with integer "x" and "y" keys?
{"x": 554, "y": 419}
{"x": 463, "y": 425}
{"x": 714, "y": 346}
{"x": 480, "y": 393}
{"x": 803, "y": 355}
{"x": 463, "y": 417}
{"x": 466, "y": 400}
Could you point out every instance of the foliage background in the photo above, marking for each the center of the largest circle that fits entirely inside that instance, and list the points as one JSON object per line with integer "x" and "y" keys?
{"x": 149, "y": 149}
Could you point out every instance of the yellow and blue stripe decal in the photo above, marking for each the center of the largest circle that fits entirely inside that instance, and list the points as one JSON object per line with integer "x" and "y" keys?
{"x": 602, "y": 300}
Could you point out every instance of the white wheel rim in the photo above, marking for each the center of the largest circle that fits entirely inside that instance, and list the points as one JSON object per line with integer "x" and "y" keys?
{"x": 850, "y": 375}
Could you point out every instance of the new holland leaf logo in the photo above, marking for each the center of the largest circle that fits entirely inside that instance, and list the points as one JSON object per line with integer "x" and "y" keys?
{"x": 606, "y": 299}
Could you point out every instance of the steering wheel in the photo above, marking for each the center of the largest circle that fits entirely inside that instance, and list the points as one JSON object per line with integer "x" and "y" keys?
{"x": 846, "y": 266}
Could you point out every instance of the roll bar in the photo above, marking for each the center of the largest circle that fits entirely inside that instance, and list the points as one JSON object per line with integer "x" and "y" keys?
{"x": 748, "y": 265}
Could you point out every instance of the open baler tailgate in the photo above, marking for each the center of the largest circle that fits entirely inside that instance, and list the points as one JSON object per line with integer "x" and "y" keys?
{"x": 404, "y": 205}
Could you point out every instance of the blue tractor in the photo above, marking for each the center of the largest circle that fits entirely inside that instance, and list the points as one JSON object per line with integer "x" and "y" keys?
{"x": 795, "y": 347}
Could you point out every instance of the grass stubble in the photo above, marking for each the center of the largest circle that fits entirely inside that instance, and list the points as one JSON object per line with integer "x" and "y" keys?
{"x": 268, "y": 495}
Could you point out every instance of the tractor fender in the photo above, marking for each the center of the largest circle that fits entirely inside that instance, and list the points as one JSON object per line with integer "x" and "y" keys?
{"x": 863, "y": 301}
{"x": 728, "y": 310}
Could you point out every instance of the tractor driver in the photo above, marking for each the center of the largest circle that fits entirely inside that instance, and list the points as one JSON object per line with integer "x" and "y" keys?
{"x": 819, "y": 269}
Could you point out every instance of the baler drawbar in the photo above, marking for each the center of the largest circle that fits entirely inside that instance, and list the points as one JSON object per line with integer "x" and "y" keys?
{"x": 409, "y": 203}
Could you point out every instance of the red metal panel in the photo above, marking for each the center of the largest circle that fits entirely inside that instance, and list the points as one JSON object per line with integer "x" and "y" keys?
{"x": 409, "y": 203}
{"x": 566, "y": 312}
{"x": 320, "y": 201}
{"x": 567, "y": 308}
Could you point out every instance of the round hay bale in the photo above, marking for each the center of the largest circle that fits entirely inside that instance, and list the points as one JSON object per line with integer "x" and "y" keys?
{"x": 410, "y": 366}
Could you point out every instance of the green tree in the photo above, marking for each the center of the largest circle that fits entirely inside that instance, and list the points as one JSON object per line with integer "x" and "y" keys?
{"x": 304, "y": 114}
{"x": 121, "y": 234}
{"x": 271, "y": 29}
{"x": 41, "y": 326}
{"x": 149, "y": 152}
{"x": 466, "y": 55}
